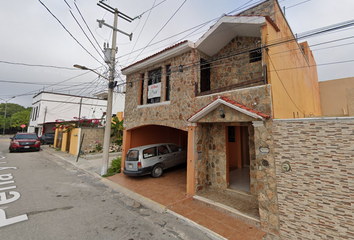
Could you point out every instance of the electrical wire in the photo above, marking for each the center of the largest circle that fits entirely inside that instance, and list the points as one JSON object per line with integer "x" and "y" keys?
{"x": 283, "y": 84}
{"x": 83, "y": 19}
{"x": 141, "y": 31}
{"x": 161, "y": 28}
{"x": 153, "y": 6}
{"x": 69, "y": 32}
{"x": 297, "y": 4}
{"x": 37, "y": 65}
{"x": 83, "y": 31}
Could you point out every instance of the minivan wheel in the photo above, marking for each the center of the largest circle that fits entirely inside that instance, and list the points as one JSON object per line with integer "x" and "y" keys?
{"x": 157, "y": 171}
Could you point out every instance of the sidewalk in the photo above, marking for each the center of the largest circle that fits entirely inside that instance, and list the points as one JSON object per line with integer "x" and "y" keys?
{"x": 167, "y": 194}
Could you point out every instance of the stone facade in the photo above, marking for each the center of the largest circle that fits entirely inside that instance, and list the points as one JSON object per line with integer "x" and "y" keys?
{"x": 316, "y": 197}
{"x": 171, "y": 113}
{"x": 266, "y": 8}
{"x": 235, "y": 69}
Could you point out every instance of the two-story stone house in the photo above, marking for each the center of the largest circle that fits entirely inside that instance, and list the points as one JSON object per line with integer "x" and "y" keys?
{"x": 218, "y": 96}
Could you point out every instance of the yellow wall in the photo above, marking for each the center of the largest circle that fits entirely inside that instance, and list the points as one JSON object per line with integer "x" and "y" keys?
{"x": 74, "y": 141}
{"x": 64, "y": 141}
{"x": 295, "y": 91}
{"x": 120, "y": 116}
{"x": 55, "y": 138}
{"x": 337, "y": 97}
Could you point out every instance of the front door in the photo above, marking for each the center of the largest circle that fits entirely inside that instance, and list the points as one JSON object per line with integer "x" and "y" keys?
{"x": 238, "y": 158}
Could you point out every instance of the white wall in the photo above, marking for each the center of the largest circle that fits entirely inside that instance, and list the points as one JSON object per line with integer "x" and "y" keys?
{"x": 50, "y": 107}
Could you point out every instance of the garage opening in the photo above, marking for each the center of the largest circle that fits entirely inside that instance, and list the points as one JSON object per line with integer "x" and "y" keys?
{"x": 153, "y": 134}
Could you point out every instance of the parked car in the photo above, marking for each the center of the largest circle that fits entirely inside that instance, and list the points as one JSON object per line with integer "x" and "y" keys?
{"x": 24, "y": 141}
{"x": 153, "y": 159}
{"x": 47, "y": 138}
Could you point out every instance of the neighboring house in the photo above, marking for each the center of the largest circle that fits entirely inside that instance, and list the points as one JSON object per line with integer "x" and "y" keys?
{"x": 50, "y": 108}
{"x": 337, "y": 97}
{"x": 218, "y": 98}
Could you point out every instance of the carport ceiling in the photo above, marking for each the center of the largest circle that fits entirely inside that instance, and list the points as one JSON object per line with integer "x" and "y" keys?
{"x": 226, "y": 29}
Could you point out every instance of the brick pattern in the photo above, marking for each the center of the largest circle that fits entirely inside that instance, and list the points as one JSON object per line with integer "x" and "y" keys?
{"x": 316, "y": 196}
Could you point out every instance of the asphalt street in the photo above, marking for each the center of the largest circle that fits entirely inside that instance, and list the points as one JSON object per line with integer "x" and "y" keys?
{"x": 63, "y": 202}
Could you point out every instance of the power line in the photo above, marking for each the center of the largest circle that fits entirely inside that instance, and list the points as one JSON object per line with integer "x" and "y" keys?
{"x": 153, "y": 6}
{"x": 86, "y": 35}
{"x": 283, "y": 83}
{"x": 37, "y": 65}
{"x": 68, "y": 31}
{"x": 141, "y": 31}
{"x": 99, "y": 53}
{"x": 297, "y": 4}
{"x": 87, "y": 26}
{"x": 162, "y": 28}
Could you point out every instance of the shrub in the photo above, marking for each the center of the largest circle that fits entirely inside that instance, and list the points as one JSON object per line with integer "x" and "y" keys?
{"x": 114, "y": 168}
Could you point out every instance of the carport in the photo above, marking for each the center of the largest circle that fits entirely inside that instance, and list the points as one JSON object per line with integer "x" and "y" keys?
{"x": 172, "y": 183}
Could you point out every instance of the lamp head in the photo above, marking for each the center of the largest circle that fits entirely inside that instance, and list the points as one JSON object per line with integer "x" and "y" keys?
{"x": 221, "y": 112}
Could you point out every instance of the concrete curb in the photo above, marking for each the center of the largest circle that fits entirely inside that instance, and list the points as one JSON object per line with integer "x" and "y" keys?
{"x": 135, "y": 196}
{"x": 157, "y": 207}
{"x": 207, "y": 231}
{"x": 73, "y": 164}
{"x": 229, "y": 210}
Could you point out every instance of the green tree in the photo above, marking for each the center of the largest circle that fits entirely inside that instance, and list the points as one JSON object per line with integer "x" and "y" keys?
{"x": 10, "y": 109}
{"x": 117, "y": 133}
{"x": 19, "y": 118}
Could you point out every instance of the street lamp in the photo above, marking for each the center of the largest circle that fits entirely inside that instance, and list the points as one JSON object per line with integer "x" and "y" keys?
{"x": 107, "y": 129}
{"x": 85, "y": 68}
{"x": 3, "y": 130}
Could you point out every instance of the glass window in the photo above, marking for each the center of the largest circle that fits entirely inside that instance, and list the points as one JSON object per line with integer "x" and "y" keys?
{"x": 142, "y": 89}
{"x": 256, "y": 55}
{"x": 231, "y": 133}
{"x": 133, "y": 155}
{"x": 174, "y": 148}
{"x": 154, "y": 86}
{"x": 26, "y": 136}
{"x": 149, "y": 152}
{"x": 162, "y": 149}
{"x": 168, "y": 78}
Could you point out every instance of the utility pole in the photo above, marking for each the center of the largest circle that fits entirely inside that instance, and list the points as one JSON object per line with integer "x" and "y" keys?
{"x": 78, "y": 124}
{"x": 111, "y": 83}
{"x": 45, "y": 115}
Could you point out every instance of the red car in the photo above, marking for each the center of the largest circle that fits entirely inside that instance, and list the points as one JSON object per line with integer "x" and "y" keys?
{"x": 25, "y": 141}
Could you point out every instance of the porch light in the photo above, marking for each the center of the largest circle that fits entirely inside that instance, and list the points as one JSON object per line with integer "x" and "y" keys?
{"x": 131, "y": 84}
{"x": 180, "y": 68}
{"x": 221, "y": 112}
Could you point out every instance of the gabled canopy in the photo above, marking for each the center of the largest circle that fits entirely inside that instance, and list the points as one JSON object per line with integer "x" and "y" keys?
{"x": 227, "y": 28}
{"x": 227, "y": 102}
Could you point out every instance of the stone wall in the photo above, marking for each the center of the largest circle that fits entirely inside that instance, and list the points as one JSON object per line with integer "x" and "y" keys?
{"x": 233, "y": 67}
{"x": 316, "y": 196}
{"x": 171, "y": 113}
{"x": 91, "y": 136}
{"x": 262, "y": 9}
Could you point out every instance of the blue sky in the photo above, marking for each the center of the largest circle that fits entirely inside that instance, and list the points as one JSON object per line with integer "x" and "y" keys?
{"x": 31, "y": 35}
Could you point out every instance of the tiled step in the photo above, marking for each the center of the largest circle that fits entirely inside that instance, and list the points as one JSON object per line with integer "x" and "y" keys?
{"x": 231, "y": 211}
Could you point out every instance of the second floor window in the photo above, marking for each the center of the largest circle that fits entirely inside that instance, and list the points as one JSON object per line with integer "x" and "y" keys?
{"x": 154, "y": 86}
{"x": 142, "y": 89}
{"x": 168, "y": 78}
{"x": 256, "y": 55}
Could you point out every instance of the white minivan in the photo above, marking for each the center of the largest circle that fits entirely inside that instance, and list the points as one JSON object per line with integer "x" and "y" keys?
{"x": 153, "y": 159}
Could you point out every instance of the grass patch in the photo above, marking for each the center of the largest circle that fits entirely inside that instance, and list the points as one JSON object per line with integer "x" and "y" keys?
{"x": 114, "y": 168}
{"x": 58, "y": 149}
